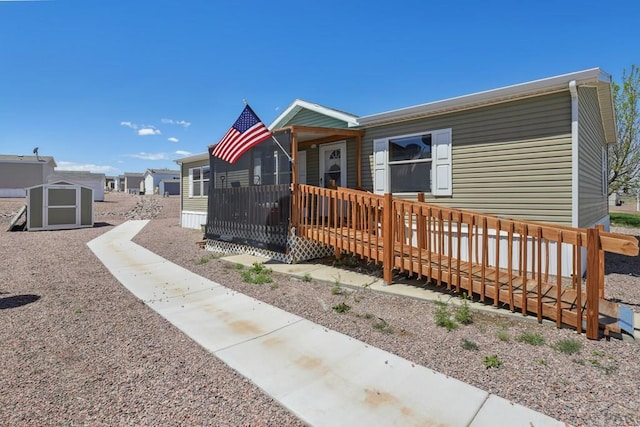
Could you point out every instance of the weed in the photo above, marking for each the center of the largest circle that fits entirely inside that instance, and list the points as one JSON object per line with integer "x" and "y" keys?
{"x": 443, "y": 316}
{"x": 503, "y": 335}
{"x": 203, "y": 260}
{"x": 608, "y": 366}
{"x": 78, "y": 310}
{"x": 341, "y": 308}
{"x": 306, "y": 277}
{"x": 258, "y": 274}
{"x": 492, "y": 361}
{"x": 239, "y": 267}
{"x": 463, "y": 313}
{"x": 274, "y": 285}
{"x": 541, "y": 361}
{"x": 469, "y": 345}
{"x": 531, "y": 338}
{"x": 336, "y": 289}
{"x": 382, "y": 326}
{"x": 567, "y": 346}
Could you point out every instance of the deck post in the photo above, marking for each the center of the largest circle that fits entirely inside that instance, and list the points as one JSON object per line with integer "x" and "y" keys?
{"x": 594, "y": 272}
{"x": 387, "y": 230}
{"x": 600, "y": 228}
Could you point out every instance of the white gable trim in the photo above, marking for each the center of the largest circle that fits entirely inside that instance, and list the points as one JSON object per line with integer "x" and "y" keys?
{"x": 299, "y": 104}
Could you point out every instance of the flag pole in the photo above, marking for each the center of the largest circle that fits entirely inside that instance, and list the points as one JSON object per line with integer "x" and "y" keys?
{"x": 275, "y": 139}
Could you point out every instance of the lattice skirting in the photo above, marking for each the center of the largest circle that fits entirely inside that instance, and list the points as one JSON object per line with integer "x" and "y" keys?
{"x": 299, "y": 249}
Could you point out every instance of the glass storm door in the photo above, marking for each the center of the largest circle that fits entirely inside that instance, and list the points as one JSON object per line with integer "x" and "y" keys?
{"x": 333, "y": 164}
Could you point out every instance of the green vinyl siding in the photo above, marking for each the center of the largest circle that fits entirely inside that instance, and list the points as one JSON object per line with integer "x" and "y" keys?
{"x": 512, "y": 159}
{"x": 36, "y": 203}
{"x": 61, "y": 216}
{"x": 313, "y": 164}
{"x": 192, "y": 204}
{"x": 86, "y": 206}
{"x": 592, "y": 203}
{"x": 310, "y": 118}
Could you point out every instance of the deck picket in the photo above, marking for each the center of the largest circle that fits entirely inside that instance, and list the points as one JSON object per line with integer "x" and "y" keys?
{"x": 418, "y": 239}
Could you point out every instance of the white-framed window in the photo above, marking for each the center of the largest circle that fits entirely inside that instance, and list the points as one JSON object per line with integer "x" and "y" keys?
{"x": 414, "y": 163}
{"x": 199, "y": 181}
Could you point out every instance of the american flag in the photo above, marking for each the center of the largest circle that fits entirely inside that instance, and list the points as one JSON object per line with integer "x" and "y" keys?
{"x": 245, "y": 133}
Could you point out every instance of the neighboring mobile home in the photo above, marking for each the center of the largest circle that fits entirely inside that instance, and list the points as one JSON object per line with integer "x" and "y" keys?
{"x": 194, "y": 178}
{"x": 133, "y": 183}
{"x": 17, "y": 173}
{"x": 152, "y": 178}
{"x": 97, "y": 181}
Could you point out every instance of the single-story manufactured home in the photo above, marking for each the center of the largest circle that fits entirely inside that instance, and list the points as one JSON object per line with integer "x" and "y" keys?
{"x": 194, "y": 187}
{"x": 535, "y": 151}
{"x": 152, "y": 178}
{"x": 133, "y": 183}
{"x": 17, "y": 173}
{"x": 97, "y": 181}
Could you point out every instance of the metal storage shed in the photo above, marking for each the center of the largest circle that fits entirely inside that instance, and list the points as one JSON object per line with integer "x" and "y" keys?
{"x": 59, "y": 205}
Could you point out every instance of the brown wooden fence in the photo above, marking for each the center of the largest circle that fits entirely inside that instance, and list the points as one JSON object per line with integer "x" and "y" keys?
{"x": 551, "y": 271}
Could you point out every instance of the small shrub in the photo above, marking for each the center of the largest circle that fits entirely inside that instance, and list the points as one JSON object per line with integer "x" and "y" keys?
{"x": 463, "y": 313}
{"x": 443, "y": 316}
{"x": 503, "y": 335}
{"x": 306, "y": 277}
{"x": 341, "y": 308}
{"x": 258, "y": 274}
{"x": 531, "y": 338}
{"x": 382, "y": 326}
{"x": 469, "y": 345}
{"x": 336, "y": 289}
{"x": 568, "y": 346}
{"x": 492, "y": 361}
{"x": 203, "y": 260}
{"x": 541, "y": 361}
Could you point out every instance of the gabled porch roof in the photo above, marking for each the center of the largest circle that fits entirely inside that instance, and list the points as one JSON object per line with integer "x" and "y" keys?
{"x": 306, "y": 136}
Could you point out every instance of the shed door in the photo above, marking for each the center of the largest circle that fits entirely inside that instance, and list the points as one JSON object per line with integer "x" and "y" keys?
{"x": 62, "y": 206}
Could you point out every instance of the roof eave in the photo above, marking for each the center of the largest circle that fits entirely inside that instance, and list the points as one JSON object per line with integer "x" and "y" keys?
{"x": 489, "y": 97}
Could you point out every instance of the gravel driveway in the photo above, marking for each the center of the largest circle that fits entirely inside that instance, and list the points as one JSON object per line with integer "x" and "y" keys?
{"x": 78, "y": 349}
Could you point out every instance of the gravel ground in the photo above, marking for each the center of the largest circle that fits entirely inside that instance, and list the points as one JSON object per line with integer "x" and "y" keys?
{"x": 78, "y": 349}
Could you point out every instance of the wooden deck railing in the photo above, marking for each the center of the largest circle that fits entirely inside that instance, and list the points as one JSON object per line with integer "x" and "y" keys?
{"x": 552, "y": 271}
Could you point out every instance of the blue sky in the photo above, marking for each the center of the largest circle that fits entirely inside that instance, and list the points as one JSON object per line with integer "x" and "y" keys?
{"x": 125, "y": 85}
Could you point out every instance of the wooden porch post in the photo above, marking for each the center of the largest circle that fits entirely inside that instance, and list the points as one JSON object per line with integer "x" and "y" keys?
{"x": 594, "y": 274}
{"x": 387, "y": 229}
{"x": 600, "y": 228}
{"x": 358, "y": 162}
{"x": 295, "y": 214}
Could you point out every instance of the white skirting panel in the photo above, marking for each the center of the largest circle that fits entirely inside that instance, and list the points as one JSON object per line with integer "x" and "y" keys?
{"x": 191, "y": 219}
{"x": 13, "y": 193}
{"x": 548, "y": 256}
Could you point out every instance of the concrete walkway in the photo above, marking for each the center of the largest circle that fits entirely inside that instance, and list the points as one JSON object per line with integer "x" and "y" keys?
{"x": 323, "y": 377}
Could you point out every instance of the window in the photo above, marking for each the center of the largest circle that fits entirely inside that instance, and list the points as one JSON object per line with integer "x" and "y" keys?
{"x": 414, "y": 163}
{"x": 199, "y": 181}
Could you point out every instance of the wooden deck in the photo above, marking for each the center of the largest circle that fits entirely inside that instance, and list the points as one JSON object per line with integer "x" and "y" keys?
{"x": 532, "y": 268}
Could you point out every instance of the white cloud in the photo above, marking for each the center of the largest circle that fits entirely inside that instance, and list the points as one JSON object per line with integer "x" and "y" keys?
{"x": 173, "y": 139}
{"x": 185, "y": 124}
{"x": 149, "y": 130}
{"x": 129, "y": 125}
{"x": 89, "y": 167}
{"x": 150, "y": 156}
{"x": 183, "y": 153}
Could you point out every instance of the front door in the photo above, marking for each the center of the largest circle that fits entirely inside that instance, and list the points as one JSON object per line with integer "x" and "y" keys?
{"x": 333, "y": 164}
